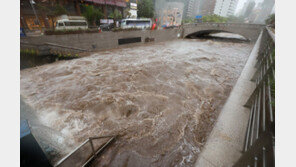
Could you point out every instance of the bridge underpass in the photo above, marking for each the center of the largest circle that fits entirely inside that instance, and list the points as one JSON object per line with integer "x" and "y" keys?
{"x": 249, "y": 31}
{"x": 111, "y": 97}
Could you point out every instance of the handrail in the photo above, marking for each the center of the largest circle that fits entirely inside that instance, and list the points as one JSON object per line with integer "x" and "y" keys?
{"x": 97, "y": 152}
{"x": 271, "y": 34}
{"x": 94, "y": 152}
{"x": 258, "y": 147}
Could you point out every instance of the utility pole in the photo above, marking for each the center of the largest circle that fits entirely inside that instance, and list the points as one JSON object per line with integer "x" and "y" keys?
{"x": 32, "y": 5}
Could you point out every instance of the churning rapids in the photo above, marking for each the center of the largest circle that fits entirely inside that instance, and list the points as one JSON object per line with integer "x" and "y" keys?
{"x": 161, "y": 98}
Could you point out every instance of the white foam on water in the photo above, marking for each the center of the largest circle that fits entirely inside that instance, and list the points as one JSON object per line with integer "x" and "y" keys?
{"x": 149, "y": 93}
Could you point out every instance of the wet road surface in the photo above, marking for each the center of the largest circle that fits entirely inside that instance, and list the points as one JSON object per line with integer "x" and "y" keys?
{"x": 162, "y": 98}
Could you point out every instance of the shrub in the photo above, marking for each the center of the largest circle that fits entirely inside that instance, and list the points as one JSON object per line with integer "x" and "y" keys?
{"x": 29, "y": 52}
{"x": 189, "y": 20}
{"x": 270, "y": 20}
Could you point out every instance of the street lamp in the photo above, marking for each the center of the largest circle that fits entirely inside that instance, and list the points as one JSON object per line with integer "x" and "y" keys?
{"x": 32, "y": 5}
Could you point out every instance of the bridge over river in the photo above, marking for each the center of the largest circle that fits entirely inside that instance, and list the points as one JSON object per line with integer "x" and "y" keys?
{"x": 161, "y": 99}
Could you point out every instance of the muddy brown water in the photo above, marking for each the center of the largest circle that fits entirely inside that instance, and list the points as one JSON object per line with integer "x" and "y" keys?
{"x": 162, "y": 99}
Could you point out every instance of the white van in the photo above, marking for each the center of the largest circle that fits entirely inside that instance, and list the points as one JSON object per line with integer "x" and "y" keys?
{"x": 66, "y": 24}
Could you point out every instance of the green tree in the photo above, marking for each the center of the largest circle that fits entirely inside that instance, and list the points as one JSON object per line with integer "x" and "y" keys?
{"x": 145, "y": 9}
{"x": 59, "y": 10}
{"x": 214, "y": 18}
{"x": 92, "y": 14}
{"x": 115, "y": 15}
{"x": 270, "y": 20}
{"x": 44, "y": 12}
{"x": 189, "y": 20}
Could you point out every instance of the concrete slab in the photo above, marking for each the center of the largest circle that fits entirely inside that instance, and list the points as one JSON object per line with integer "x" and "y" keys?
{"x": 205, "y": 163}
{"x": 226, "y": 140}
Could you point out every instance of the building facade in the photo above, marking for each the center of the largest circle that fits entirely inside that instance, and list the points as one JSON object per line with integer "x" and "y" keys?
{"x": 47, "y": 11}
{"x": 206, "y": 7}
{"x": 225, "y": 7}
{"x": 190, "y": 8}
{"x": 267, "y": 8}
{"x": 169, "y": 13}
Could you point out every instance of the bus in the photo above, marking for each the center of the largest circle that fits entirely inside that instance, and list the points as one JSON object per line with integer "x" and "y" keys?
{"x": 66, "y": 24}
{"x": 136, "y": 23}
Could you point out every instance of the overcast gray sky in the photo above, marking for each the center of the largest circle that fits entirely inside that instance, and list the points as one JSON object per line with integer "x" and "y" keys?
{"x": 240, "y": 4}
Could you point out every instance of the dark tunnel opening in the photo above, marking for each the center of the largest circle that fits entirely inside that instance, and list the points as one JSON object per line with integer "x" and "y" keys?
{"x": 218, "y": 35}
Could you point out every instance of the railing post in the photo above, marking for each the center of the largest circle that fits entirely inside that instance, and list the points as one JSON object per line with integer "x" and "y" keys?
{"x": 92, "y": 147}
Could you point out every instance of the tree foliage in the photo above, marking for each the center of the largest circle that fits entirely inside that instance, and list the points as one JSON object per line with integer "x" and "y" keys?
{"x": 214, "y": 18}
{"x": 92, "y": 14}
{"x": 145, "y": 8}
{"x": 115, "y": 15}
{"x": 59, "y": 10}
{"x": 189, "y": 20}
{"x": 270, "y": 20}
{"x": 43, "y": 8}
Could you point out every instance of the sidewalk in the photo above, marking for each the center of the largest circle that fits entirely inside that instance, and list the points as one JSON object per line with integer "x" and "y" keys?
{"x": 225, "y": 143}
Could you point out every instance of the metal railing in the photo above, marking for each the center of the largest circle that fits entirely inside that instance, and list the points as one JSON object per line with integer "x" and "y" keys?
{"x": 258, "y": 149}
{"x": 84, "y": 154}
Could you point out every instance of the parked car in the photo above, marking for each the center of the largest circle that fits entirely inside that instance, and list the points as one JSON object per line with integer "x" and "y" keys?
{"x": 106, "y": 27}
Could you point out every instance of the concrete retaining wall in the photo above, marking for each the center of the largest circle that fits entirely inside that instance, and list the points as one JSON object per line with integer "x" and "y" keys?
{"x": 104, "y": 40}
{"x": 109, "y": 40}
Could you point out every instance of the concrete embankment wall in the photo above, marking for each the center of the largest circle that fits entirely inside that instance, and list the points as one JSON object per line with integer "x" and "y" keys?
{"x": 225, "y": 143}
{"x": 104, "y": 40}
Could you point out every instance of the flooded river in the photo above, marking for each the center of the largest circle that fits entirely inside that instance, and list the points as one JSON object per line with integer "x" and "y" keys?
{"x": 161, "y": 98}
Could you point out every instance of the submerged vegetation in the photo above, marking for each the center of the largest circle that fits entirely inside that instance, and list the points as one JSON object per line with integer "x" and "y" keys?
{"x": 65, "y": 55}
{"x": 32, "y": 58}
{"x": 29, "y": 52}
